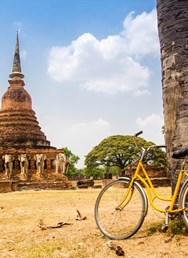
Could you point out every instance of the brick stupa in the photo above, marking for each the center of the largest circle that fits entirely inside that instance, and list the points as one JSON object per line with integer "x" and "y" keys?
{"x": 19, "y": 128}
{"x": 20, "y": 133}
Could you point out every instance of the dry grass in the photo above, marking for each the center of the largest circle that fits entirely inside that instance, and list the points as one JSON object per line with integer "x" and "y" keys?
{"x": 21, "y": 213}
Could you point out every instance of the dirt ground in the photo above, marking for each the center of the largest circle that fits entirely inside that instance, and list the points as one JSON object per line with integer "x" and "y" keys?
{"x": 21, "y": 213}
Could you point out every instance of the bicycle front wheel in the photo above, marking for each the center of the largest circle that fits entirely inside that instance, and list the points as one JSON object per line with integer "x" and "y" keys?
{"x": 183, "y": 203}
{"x": 124, "y": 222}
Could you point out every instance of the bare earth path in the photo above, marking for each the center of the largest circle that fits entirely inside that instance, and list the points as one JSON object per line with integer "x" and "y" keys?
{"x": 21, "y": 237}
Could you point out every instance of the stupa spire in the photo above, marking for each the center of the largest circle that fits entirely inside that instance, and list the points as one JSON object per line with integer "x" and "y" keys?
{"x": 16, "y": 68}
{"x": 19, "y": 128}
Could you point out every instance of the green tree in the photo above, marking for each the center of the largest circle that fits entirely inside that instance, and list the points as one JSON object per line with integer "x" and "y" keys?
{"x": 73, "y": 161}
{"x": 120, "y": 150}
{"x": 95, "y": 172}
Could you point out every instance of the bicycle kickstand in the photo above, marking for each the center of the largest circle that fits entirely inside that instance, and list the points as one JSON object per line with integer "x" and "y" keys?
{"x": 164, "y": 227}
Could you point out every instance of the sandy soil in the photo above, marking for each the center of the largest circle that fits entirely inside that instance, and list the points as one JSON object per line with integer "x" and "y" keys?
{"x": 21, "y": 213}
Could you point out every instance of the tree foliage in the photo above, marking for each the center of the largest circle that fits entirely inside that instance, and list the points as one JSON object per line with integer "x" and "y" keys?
{"x": 121, "y": 150}
{"x": 95, "y": 172}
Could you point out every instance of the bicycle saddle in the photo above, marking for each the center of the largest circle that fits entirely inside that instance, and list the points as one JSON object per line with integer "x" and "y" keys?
{"x": 178, "y": 154}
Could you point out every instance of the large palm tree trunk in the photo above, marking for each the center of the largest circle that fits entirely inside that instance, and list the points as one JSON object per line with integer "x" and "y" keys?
{"x": 173, "y": 36}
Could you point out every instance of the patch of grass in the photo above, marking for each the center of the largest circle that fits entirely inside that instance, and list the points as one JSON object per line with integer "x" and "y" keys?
{"x": 177, "y": 226}
{"x": 58, "y": 249}
{"x": 50, "y": 249}
{"x": 153, "y": 229}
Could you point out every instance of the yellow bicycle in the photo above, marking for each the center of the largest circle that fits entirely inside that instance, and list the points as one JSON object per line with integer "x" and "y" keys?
{"x": 122, "y": 205}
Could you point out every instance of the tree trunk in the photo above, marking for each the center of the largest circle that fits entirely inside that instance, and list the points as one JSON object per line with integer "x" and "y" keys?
{"x": 173, "y": 36}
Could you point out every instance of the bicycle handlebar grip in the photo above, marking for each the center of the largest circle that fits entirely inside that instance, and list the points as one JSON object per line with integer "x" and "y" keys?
{"x": 160, "y": 146}
{"x": 137, "y": 134}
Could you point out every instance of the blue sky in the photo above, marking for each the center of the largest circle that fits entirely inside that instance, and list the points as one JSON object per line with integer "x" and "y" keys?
{"x": 92, "y": 67}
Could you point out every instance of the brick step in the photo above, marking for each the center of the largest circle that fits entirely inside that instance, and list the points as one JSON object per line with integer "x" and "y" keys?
{"x": 44, "y": 185}
{"x": 9, "y": 186}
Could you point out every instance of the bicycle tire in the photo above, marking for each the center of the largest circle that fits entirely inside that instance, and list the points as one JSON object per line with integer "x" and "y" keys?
{"x": 183, "y": 203}
{"x": 116, "y": 224}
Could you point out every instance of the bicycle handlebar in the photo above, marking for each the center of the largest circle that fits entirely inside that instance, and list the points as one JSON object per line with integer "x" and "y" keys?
{"x": 144, "y": 150}
{"x": 157, "y": 146}
{"x": 137, "y": 134}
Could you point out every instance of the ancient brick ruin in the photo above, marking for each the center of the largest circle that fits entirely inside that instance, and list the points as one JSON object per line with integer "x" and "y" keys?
{"x": 20, "y": 133}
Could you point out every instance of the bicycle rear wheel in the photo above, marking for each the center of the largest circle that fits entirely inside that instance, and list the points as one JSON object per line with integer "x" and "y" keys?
{"x": 125, "y": 222}
{"x": 183, "y": 203}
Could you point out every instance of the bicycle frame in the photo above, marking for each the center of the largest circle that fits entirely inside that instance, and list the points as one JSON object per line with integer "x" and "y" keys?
{"x": 151, "y": 190}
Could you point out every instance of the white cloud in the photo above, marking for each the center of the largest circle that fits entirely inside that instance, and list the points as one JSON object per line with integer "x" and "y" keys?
{"x": 79, "y": 137}
{"x": 141, "y": 34}
{"x": 152, "y": 128}
{"x": 140, "y": 92}
{"x": 82, "y": 137}
{"x": 109, "y": 65}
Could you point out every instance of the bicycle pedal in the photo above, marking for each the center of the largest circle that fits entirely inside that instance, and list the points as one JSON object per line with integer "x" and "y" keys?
{"x": 164, "y": 228}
